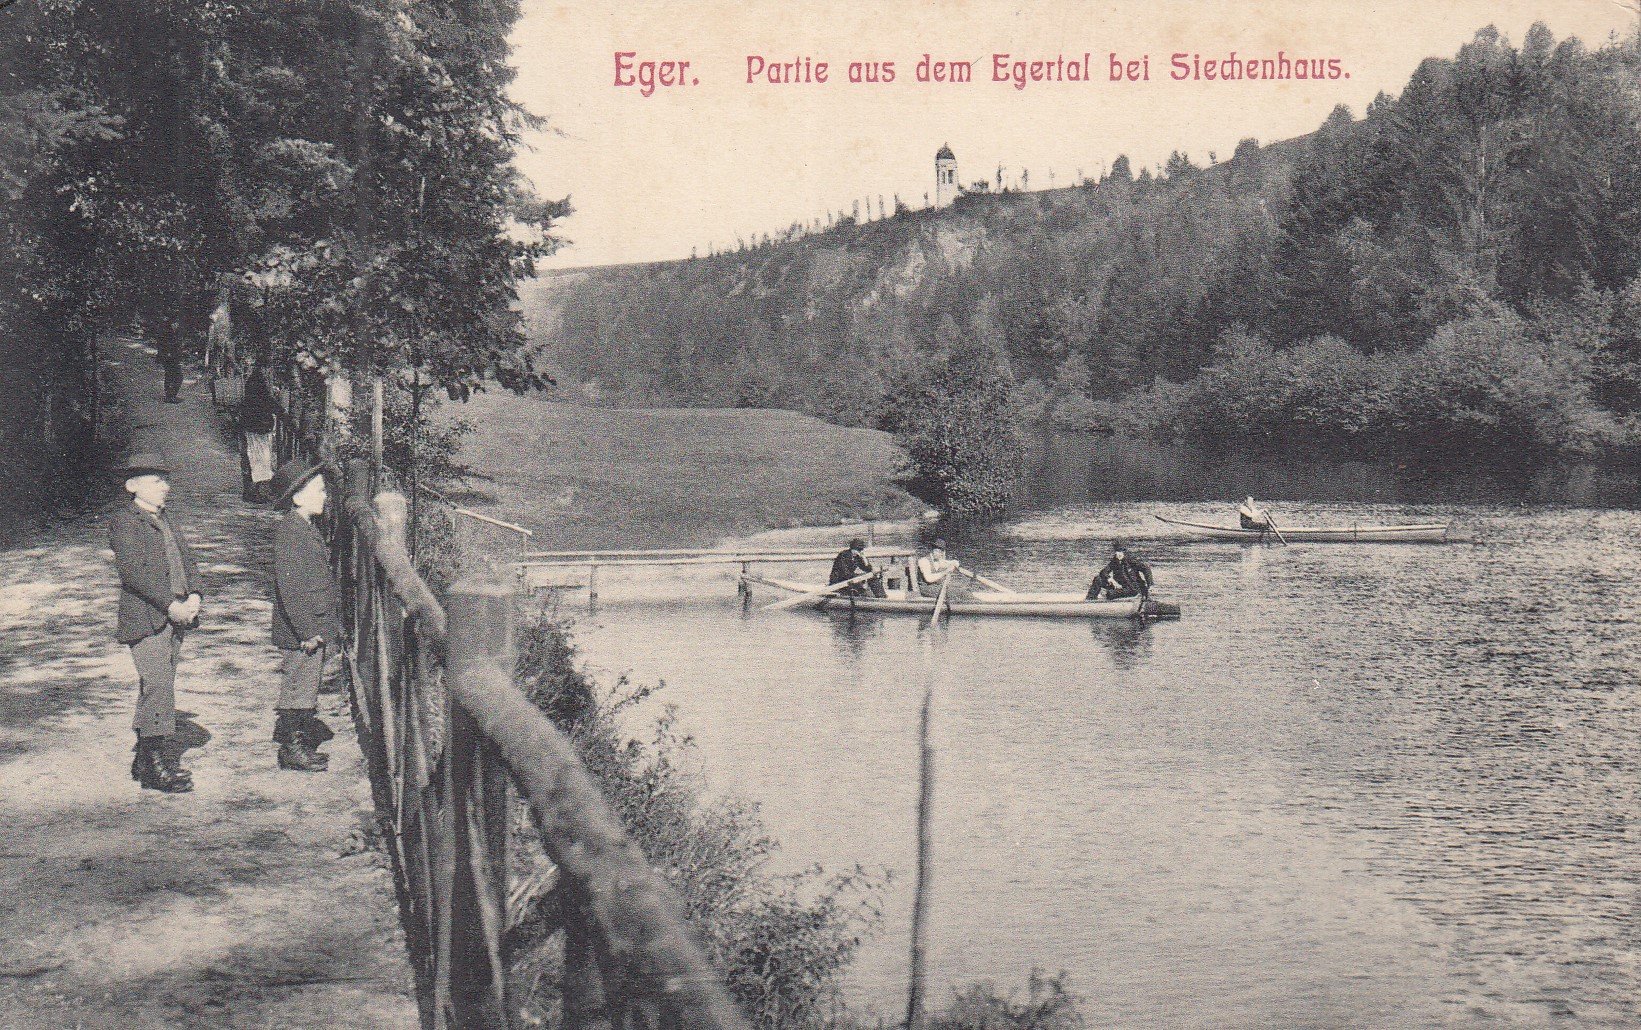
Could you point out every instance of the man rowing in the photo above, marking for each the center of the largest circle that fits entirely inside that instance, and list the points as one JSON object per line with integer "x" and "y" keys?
{"x": 1123, "y": 576}
{"x": 935, "y": 568}
{"x": 1252, "y": 516}
{"x": 851, "y": 562}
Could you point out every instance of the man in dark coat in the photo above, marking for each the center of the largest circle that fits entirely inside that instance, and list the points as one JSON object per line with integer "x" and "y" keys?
{"x": 851, "y": 562}
{"x": 1123, "y": 576}
{"x": 159, "y": 600}
{"x": 306, "y": 613}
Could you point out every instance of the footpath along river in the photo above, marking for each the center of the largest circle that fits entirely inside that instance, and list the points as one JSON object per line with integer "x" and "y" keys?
{"x": 1353, "y": 786}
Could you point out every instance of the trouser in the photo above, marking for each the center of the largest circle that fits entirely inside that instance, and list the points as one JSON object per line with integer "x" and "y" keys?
{"x": 173, "y": 377}
{"x": 156, "y": 660}
{"x": 259, "y": 455}
{"x": 874, "y": 586}
{"x": 300, "y": 687}
{"x": 1113, "y": 593}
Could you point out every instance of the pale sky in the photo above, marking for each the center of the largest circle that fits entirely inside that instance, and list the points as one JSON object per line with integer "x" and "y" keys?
{"x": 693, "y": 165}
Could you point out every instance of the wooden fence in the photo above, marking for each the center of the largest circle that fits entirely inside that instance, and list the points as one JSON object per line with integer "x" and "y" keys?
{"x": 448, "y": 740}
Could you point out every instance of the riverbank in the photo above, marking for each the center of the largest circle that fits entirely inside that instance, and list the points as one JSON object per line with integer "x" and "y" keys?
{"x": 255, "y": 901}
{"x": 672, "y": 477}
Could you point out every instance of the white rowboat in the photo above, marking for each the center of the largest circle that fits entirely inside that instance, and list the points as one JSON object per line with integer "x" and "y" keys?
{"x": 1425, "y": 533}
{"x": 1038, "y": 605}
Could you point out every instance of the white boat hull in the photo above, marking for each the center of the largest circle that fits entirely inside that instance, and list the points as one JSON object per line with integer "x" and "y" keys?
{"x": 1426, "y": 533}
{"x": 1036, "y": 605}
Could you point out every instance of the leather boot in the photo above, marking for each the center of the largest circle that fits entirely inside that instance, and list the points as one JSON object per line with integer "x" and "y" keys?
{"x": 173, "y": 762}
{"x": 315, "y": 727}
{"x": 297, "y": 754}
{"x": 282, "y": 726}
{"x": 156, "y": 771}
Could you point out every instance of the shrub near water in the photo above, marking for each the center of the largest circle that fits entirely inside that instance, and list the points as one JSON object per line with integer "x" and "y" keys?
{"x": 1493, "y": 380}
{"x": 781, "y": 942}
{"x": 960, "y": 424}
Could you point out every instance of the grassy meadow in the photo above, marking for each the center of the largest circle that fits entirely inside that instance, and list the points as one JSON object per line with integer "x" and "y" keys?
{"x": 671, "y": 477}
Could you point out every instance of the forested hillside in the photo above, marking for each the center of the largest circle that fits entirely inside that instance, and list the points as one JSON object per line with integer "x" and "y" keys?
{"x": 1457, "y": 264}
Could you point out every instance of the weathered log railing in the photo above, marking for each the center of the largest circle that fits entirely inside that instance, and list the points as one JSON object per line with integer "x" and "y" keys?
{"x": 447, "y": 738}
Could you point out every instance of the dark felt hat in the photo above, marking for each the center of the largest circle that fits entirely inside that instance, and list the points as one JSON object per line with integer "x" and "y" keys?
{"x": 857, "y": 544}
{"x": 144, "y": 463}
{"x": 1119, "y": 545}
{"x": 290, "y": 477}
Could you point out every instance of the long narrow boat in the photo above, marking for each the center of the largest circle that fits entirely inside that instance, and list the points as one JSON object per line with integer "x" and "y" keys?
{"x": 1424, "y": 533}
{"x": 1038, "y": 605}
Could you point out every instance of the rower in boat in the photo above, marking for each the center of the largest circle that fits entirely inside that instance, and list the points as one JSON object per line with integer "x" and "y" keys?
{"x": 935, "y": 568}
{"x": 851, "y": 562}
{"x": 1252, "y": 516}
{"x": 1123, "y": 576}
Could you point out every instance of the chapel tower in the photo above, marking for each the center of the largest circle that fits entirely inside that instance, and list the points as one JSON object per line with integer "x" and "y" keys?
{"x": 945, "y": 176}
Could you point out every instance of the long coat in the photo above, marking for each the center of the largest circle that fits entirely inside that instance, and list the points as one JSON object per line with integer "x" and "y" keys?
{"x": 145, "y": 575}
{"x": 306, "y": 601}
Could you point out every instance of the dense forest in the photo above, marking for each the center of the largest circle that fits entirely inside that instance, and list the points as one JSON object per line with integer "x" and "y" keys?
{"x": 1456, "y": 266}
{"x": 338, "y": 172}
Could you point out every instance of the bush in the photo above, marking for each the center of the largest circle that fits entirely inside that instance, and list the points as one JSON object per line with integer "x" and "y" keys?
{"x": 961, "y": 426}
{"x": 1047, "y": 1006}
{"x": 1489, "y": 381}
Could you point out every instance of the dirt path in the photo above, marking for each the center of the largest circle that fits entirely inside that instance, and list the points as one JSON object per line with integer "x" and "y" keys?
{"x": 256, "y": 900}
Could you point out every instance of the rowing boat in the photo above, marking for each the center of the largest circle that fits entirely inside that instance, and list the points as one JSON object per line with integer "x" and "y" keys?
{"x": 1037, "y": 605}
{"x": 1424, "y": 533}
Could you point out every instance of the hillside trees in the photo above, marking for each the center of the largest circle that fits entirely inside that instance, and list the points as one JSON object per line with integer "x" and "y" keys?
{"x": 1497, "y": 189}
{"x": 346, "y": 164}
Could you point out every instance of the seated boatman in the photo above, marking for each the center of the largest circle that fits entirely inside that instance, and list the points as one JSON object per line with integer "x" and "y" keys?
{"x": 1252, "y": 516}
{"x": 934, "y": 568}
{"x": 851, "y": 562}
{"x": 1123, "y": 576}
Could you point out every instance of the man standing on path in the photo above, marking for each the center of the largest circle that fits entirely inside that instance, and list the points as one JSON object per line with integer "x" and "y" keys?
{"x": 305, "y": 613}
{"x": 159, "y": 600}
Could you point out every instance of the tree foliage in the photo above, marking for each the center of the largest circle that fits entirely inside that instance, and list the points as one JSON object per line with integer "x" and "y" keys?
{"x": 343, "y": 165}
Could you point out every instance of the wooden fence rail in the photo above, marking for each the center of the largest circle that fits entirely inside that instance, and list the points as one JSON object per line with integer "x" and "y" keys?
{"x": 448, "y": 739}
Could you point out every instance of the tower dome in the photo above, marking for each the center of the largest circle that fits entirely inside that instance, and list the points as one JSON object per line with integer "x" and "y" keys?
{"x": 945, "y": 176}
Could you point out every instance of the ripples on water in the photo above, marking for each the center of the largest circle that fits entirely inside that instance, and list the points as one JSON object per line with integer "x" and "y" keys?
{"x": 1353, "y": 786}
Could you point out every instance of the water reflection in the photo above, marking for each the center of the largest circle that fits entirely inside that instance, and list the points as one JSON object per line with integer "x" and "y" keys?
{"x": 1129, "y": 643}
{"x": 853, "y": 630}
{"x": 1079, "y": 467}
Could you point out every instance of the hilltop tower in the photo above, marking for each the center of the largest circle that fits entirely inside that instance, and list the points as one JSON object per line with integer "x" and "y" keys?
{"x": 945, "y": 176}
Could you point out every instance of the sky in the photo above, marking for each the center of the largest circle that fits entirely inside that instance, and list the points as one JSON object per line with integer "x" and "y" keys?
{"x": 711, "y": 157}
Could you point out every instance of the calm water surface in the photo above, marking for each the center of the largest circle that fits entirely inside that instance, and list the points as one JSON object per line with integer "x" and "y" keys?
{"x": 1353, "y": 786}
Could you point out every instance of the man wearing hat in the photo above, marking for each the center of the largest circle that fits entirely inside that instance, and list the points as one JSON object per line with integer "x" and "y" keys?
{"x": 159, "y": 600}
{"x": 851, "y": 562}
{"x": 1123, "y": 576}
{"x": 306, "y": 620}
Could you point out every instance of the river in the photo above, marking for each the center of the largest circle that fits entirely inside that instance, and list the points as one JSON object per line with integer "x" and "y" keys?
{"x": 1364, "y": 786}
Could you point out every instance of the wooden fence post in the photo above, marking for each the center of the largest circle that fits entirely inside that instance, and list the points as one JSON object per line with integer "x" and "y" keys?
{"x": 481, "y": 649}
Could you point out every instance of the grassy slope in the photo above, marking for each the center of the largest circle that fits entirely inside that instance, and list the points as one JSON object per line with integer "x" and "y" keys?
{"x": 621, "y": 477}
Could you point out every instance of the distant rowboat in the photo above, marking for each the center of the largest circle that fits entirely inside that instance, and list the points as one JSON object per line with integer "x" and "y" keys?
{"x": 1039, "y": 605}
{"x": 1424, "y": 533}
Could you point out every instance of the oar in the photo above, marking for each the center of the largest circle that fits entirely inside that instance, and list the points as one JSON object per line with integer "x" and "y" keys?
{"x": 1275, "y": 529}
{"x": 810, "y": 595}
{"x": 939, "y": 602}
{"x": 983, "y": 581}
